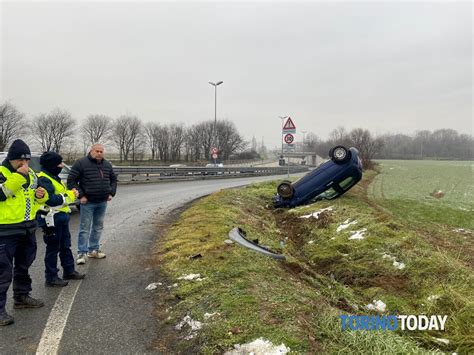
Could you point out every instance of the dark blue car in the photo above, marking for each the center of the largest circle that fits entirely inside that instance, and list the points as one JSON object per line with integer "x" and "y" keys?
{"x": 329, "y": 181}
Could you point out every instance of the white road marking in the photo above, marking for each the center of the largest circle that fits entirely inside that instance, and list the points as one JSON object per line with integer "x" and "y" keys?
{"x": 53, "y": 331}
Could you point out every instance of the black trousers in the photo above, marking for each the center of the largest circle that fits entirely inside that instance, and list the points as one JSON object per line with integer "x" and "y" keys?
{"x": 17, "y": 253}
{"x": 58, "y": 241}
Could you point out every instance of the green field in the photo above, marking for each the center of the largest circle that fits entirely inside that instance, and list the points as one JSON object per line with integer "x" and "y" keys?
{"x": 408, "y": 188}
{"x": 326, "y": 274}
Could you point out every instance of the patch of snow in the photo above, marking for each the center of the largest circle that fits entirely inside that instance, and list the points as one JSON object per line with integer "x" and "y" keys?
{"x": 209, "y": 315}
{"x": 191, "y": 277}
{"x": 358, "y": 235}
{"x": 442, "y": 340}
{"x": 153, "y": 286}
{"x": 317, "y": 213}
{"x": 433, "y": 297}
{"x": 187, "y": 320}
{"x": 258, "y": 347}
{"x": 344, "y": 225}
{"x": 398, "y": 265}
{"x": 376, "y": 305}
{"x": 173, "y": 285}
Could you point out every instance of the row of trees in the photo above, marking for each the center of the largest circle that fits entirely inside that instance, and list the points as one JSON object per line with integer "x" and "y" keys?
{"x": 132, "y": 138}
{"x": 439, "y": 144}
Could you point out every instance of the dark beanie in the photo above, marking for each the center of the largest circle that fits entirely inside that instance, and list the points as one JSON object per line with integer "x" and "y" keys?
{"x": 49, "y": 160}
{"x": 18, "y": 150}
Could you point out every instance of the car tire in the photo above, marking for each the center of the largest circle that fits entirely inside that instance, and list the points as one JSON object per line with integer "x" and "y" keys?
{"x": 286, "y": 190}
{"x": 339, "y": 154}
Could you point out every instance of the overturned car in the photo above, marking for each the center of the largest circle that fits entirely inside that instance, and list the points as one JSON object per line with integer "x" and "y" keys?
{"x": 329, "y": 181}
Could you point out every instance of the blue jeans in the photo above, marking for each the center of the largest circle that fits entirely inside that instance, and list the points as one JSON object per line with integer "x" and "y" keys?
{"x": 91, "y": 226}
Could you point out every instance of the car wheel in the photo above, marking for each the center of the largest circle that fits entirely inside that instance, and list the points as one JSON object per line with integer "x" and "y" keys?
{"x": 286, "y": 190}
{"x": 340, "y": 154}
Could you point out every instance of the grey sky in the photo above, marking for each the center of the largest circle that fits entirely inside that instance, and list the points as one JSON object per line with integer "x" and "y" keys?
{"x": 388, "y": 66}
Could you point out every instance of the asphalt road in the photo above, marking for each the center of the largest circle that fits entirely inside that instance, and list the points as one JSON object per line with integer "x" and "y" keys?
{"x": 109, "y": 311}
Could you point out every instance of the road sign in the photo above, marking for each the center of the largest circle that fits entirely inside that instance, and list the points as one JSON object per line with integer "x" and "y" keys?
{"x": 214, "y": 156}
{"x": 289, "y": 138}
{"x": 289, "y": 148}
{"x": 289, "y": 125}
{"x": 214, "y": 150}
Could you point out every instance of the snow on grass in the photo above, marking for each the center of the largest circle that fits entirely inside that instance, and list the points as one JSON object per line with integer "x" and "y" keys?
{"x": 358, "y": 235}
{"x": 259, "y": 346}
{"x": 377, "y": 305}
{"x": 187, "y": 320}
{"x": 345, "y": 225}
{"x": 153, "y": 286}
{"x": 210, "y": 315}
{"x": 397, "y": 264}
{"x": 194, "y": 326}
{"x": 191, "y": 277}
{"x": 318, "y": 213}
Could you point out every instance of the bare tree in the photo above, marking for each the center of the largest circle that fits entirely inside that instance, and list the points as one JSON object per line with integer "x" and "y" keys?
{"x": 229, "y": 139}
{"x": 126, "y": 134}
{"x": 193, "y": 145}
{"x": 12, "y": 123}
{"x": 163, "y": 142}
{"x": 176, "y": 139}
{"x": 96, "y": 128}
{"x": 52, "y": 130}
{"x": 366, "y": 144}
{"x": 150, "y": 132}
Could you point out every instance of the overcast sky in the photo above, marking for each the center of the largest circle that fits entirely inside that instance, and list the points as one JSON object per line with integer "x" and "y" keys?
{"x": 385, "y": 66}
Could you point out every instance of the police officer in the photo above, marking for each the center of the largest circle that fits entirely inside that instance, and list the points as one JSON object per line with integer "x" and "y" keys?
{"x": 20, "y": 199}
{"x": 55, "y": 223}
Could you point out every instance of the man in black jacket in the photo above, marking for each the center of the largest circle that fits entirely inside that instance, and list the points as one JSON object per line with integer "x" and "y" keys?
{"x": 96, "y": 182}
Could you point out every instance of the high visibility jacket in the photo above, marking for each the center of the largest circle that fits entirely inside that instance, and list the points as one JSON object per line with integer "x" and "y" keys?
{"x": 60, "y": 189}
{"x": 21, "y": 204}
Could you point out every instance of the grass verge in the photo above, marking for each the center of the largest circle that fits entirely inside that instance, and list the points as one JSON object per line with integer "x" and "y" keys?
{"x": 244, "y": 295}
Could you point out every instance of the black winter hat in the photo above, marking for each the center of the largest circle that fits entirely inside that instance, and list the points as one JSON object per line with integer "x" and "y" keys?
{"x": 18, "y": 150}
{"x": 50, "y": 160}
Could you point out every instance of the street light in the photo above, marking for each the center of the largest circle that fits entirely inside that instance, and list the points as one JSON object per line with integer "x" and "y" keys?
{"x": 215, "y": 109}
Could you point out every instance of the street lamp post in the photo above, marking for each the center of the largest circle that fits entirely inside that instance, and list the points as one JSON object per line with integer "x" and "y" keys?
{"x": 215, "y": 111}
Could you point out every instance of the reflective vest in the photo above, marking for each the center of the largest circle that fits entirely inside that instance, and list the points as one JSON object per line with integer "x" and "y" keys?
{"x": 60, "y": 189}
{"x": 21, "y": 204}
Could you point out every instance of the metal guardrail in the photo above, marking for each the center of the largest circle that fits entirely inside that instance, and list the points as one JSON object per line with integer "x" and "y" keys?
{"x": 200, "y": 172}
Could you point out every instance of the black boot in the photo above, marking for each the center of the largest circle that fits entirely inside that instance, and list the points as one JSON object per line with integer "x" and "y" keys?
{"x": 5, "y": 318}
{"x": 56, "y": 282}
{"x": 74, "y": 276}
{"x": 26, "y": 301}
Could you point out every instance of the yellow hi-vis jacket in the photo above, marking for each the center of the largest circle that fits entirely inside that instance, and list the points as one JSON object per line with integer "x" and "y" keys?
{"x": 21, "y": 204}
{"x": 60, "y": 189}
